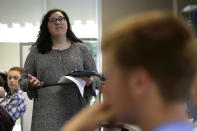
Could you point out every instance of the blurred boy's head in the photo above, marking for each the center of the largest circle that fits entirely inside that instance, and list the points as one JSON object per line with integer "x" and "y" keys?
{"x": 14, "y": 75}
{"x": 148, "y": 59}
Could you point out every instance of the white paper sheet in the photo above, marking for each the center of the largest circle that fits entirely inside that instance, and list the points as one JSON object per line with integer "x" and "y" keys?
{"x": 78, "y": 81}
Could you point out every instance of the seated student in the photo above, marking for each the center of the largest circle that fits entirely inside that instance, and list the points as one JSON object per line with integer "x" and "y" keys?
{"x": 14, "y": 102}
{"x": 150, "y": 64}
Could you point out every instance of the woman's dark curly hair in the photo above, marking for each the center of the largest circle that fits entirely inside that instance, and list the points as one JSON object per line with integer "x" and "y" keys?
{"x": 44, "y": 42}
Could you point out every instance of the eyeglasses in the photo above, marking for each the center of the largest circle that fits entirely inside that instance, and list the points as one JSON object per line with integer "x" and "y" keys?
{"x": 54, "y": 20}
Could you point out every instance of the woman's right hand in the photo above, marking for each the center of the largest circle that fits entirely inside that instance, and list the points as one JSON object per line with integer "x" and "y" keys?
{"x": 34, "y": 82}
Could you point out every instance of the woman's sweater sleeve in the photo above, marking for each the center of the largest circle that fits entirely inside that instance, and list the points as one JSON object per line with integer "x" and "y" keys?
{"x": 29, "y": 68}
{"x": 89, "y": 64}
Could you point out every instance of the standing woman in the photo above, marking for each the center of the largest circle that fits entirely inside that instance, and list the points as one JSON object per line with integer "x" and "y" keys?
{"x": 56, "y": 53}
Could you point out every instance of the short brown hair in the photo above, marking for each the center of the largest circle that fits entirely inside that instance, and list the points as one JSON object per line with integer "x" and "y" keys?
{"x": 162, "y": 44}
{"x": 15, "y": 68}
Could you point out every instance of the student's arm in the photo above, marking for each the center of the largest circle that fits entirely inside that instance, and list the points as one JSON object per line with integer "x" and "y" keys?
{"x": 16, "y": 107}
{"x": 89, "y": 119}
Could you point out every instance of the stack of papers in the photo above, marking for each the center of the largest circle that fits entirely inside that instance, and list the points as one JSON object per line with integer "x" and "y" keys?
{"x": 77, "y": 80}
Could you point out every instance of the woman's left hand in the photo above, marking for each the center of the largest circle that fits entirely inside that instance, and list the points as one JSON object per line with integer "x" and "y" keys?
{"x": 88, "y": 80}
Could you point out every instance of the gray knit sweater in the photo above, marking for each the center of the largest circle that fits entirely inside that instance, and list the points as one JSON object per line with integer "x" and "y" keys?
{"x": 56, "y": 104}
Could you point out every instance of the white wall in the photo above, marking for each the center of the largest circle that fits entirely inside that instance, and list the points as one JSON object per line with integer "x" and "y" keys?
{"x": 9, "y": 55}
{"x": 76, "y": 9}
{"x": 20, "y": 19}
{"x": 115, "y": 10}
{"x": 20, "y": 11}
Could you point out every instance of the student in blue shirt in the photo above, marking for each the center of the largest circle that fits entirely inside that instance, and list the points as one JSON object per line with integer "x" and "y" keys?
{"x": 150, "y": 64}
{"x": 14, "y": 102}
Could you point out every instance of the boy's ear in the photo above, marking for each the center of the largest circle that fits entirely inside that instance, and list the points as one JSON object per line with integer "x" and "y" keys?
{"x": 140, "y": 81}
